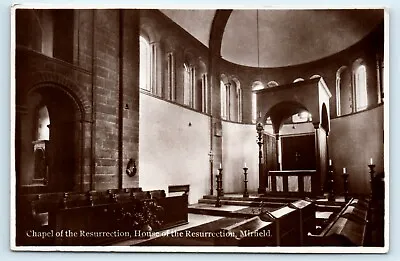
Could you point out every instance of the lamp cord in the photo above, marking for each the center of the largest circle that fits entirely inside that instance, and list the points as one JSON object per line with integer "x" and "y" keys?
{"x": 258, "y": 44}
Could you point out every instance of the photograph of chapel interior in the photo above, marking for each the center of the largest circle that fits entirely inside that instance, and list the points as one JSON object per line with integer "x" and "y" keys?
{"x": 153, "y": 127}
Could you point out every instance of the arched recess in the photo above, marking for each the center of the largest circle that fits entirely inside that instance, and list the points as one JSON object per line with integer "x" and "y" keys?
{"x": 344, "y": 92}
{"x": 239, "y": 99}
{"x": 325, "y": 119}
{"x": 68, "y": 145}
{"x": 145, "y": 72}
{"x": 189, "y": 79}
{"x": 170, "y": 50}
{"x": 257, "y": 85}
{"x": 201, "y": 93}
{"x": 360, "y": 91}
{"x": 224, "y": 84}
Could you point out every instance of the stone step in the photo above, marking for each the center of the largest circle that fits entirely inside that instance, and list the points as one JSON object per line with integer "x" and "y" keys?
{"x": 241, "y": 202}
{"x": 257, "y": 198}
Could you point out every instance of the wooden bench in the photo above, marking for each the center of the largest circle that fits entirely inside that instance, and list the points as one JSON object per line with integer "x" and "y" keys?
{"x": 348, "y": 227}
{"x": 250, "y": 232}
{"x": 177, "y": 190}
{"x": 287, "y": 226}
{"x": 93, "y": 211}
{"x": 307, "y": 219}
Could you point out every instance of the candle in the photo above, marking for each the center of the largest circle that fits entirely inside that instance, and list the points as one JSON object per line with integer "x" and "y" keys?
{"x": 245, "y": 165}
{"x": 344, "y": 170}
{"x": 220, "y": 165}
{"x": 370, "y": 161}
{"x": 330, "y": 162}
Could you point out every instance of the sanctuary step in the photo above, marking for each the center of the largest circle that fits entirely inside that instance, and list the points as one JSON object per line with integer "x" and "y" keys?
{"x": 242, "y": 202}
{"x": 253, "y": 198}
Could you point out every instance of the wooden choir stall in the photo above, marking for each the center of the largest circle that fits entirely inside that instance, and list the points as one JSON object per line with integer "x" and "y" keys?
{"x": 95, "y": 217}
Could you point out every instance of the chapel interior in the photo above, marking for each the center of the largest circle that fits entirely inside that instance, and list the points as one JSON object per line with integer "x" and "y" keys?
{"x": 149, "y": 127}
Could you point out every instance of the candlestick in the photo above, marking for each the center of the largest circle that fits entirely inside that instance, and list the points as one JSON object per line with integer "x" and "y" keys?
{"x": 218, "y": 201}
{"x": 345, "y": 185}
{"x": 331, "y": 196}
{"x": 245, "y": 193}
{"x": 371, "y": 178}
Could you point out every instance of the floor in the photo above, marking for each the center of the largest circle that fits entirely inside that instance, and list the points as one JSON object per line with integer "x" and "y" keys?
{"x": 194, "y": 221}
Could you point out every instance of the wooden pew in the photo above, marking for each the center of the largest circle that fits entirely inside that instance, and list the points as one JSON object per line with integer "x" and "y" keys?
{"x": 287, "y": 222}
{"x": 93, "y": 211}
{"x": 307, "y": 219}
{"x": 250, "y": 232}
{"x": 287, "y": 226}
{"x": 348, "y": 228}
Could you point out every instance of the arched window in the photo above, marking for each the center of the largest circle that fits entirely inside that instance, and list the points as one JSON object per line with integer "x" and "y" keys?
{"x": 204, "y": 88}
{"x": 303, "y": 116}
{"x": 360, "y": 81}
{"x": 338, "y": 89}
{"x": 41, "y": 138}
{"x": 145, "y": 65}
{"x": 344, "y": 92}
{"x": 42, "y": 123}
{"x": 223, "y": 101}
{"x": 315, "y": 76}
{"x": 239, "y": 102}
{"x": 298, "y": 80}
{"x": 256, "y": 86}
{"x": 272, "y": 84}
{"x": 188, "y": 85}
{"x": 171, "y": 76}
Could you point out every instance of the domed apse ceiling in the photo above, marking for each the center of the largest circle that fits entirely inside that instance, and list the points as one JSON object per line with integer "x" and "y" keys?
{"x": 286, "y": 37}
{"x": 196, "y": 22}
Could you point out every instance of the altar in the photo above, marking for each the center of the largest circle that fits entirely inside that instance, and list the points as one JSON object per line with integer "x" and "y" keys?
{"x": 274, "y": 106}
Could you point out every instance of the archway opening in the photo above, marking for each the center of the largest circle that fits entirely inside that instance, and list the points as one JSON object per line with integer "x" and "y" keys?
{"x": 51, "y": 141}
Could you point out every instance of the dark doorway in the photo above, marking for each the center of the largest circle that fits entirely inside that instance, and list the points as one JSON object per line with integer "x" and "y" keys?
{"x": 298, "y": 152}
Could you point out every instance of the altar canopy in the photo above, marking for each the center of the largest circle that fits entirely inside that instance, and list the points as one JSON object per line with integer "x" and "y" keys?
{"x": 279, "y": 103}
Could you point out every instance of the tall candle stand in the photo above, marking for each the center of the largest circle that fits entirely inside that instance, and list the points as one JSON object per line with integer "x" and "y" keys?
{"x": 245, "y": 193}
{"x": 346, "y": 186}
{"x": 371, "y": 177}
{"x": 331, "y": 196}
{"x": 218, "y": 201}
{"x": 221, "y": 187}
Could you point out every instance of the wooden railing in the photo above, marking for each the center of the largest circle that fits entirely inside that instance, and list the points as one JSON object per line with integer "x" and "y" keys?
{"x": 298, "y": 183}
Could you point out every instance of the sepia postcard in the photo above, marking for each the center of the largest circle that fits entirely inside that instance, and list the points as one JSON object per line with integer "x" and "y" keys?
{"x": 199, "y": 130}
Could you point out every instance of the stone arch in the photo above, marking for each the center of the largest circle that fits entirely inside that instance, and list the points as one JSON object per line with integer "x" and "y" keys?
{"x": 279, "y": 112}
{"x": 147, "y": 30}
{"x": 71, "y": 88}
{"x": 325, "y": 122}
